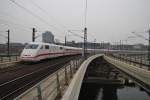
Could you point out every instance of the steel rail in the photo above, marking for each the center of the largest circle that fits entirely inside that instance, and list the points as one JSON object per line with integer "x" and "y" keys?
{"x": 30, "y": 74}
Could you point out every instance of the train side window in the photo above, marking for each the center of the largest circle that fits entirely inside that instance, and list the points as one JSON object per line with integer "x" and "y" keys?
{"x": 41, "y": 47}
{"x": 46, "y": 46}
{"x": 52, "y": 48}
{"x": 61, "y": 48}
{"x": 55, "y": 48}
{"x": 31, "y": 46}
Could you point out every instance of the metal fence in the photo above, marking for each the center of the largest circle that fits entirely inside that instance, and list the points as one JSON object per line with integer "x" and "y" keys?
{"x": 52, "y": 87}
{"x": 139, "y": 60}
{"x": 140, "y": 76}
{"x": 73, "y": 91}
{"x": 4, "y": 59}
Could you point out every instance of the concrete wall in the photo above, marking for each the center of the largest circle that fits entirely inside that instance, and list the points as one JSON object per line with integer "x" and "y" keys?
{"x": 73, "y": 90}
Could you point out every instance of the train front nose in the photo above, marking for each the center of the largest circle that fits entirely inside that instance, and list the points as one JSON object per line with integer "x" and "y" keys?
{"x": 28, "y": 55}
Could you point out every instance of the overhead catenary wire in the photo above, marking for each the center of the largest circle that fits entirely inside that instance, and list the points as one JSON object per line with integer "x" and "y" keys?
{"x": 3, "y": 36}
{"x": 17, "y": 22}
{"x": 85, "y": 14}
{"x": 2, "y": 31}
{"x": 34, "y": 15}
{"x": 50, "y": 16}
{"x": 56, "y": 21}
{"x": 19, "y": 26}
{"x": 140, "y": 36}
{"x": 76, "y": 34}
{"x": 18, "y": 19}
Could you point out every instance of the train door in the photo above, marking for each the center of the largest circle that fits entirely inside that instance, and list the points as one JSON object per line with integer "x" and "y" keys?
{"x": 61, "y": 51}
{"x": 53, "y": 51}
{"x": 47, "y": 51}
{"x": 40, "y": 52}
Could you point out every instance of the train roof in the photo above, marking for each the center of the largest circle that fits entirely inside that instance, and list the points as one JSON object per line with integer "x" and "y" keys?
{"x": 37, "y": 43}
{"x": 41, "y": 43}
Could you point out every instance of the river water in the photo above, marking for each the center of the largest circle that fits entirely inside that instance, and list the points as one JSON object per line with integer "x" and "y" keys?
{"x": 111, "y": 92}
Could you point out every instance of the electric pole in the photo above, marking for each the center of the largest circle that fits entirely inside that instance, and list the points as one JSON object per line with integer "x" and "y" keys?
{"x": 8, "y": 44}
{"x": 94, "y": 46}
{"x": 149, "y": 50}
{"x": 85, "y": 43}
{"x": 120, "y": 46}
{"x": 65, "y": 40}
{"x": 33, "y": 34}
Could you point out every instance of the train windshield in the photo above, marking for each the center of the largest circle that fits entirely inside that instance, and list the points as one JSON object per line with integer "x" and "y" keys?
{"x": 32, "y": 46}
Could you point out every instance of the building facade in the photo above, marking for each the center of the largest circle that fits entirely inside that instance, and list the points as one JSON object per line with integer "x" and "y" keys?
{"x": 47, "y": 37}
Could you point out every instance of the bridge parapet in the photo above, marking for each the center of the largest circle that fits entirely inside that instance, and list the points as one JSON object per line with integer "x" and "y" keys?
{"x": 8, "y": 61}
{"x": 52, "y": 87}
{"x": 73, "y": 90}
{"x": 142, "y": 76}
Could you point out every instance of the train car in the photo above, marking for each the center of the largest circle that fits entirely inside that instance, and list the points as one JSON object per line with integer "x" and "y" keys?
{"x": 36, "y": 51}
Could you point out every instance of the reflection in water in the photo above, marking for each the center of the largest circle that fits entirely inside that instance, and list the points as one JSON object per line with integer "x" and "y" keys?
{"x": 109, "y": 93}
{"x": 98, "y": 92}
{"x": 89, "y": 92}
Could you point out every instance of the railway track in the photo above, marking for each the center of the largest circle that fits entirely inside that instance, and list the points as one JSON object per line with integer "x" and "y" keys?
{"x": 131, "y": 60}
{"x": 14, "y": 82}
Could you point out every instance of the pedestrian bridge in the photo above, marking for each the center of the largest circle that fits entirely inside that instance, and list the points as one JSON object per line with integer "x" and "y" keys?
{"x": 60, "y": 88}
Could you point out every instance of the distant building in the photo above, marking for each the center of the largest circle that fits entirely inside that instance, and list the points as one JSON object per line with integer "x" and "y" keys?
{"x": 15, "y": 48}
{"x": 130, "y": 47}
{"x": 48, "y": 37}
{"x": 90, "y": 45}
{"x": 139, "y": 47}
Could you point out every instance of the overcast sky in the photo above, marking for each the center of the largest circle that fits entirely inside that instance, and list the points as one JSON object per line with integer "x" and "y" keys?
{"x": 107, "y": 20}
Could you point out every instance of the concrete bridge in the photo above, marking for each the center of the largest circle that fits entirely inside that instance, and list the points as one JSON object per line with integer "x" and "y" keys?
{"x": 66, "y": 83}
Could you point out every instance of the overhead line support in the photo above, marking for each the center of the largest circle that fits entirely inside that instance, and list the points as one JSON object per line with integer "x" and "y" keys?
{"x": 85, "y": 43}
{"x": 33, "y": 34}
{"x": 8, "y": 42}
{"x": 149, "y": 50}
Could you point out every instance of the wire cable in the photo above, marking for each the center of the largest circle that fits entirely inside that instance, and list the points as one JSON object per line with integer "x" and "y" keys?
{"x": 85, "y": 14}
{"x": 3, "y": 36}
{"x": 33, "y": 14}
{"x": 140, "y": 36}
{"x": 50, "y": 16}
{"x": 16, "y": 24}
{"x": 76, "y": 34}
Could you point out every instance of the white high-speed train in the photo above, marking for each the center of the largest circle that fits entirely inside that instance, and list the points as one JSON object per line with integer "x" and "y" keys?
{"x": 36, "y": 51}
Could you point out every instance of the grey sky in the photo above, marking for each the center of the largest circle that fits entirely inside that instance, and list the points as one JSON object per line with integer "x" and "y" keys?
{"x": 107, "y": 20}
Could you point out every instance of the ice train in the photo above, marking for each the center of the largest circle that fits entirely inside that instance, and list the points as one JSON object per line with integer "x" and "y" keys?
{"x": 36, "y": 51}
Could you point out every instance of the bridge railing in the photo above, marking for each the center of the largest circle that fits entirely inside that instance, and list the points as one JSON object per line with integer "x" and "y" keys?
{"x": 141, "y": 76}
{"x": 139, "y": 60}
{"x": 52, "y": 87}
{"x": 4, "y": 59}
{"x": 73, "y": 90}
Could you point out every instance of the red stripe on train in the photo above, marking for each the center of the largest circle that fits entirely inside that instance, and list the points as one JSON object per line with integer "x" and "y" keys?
{"x": 44, "y": 54}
